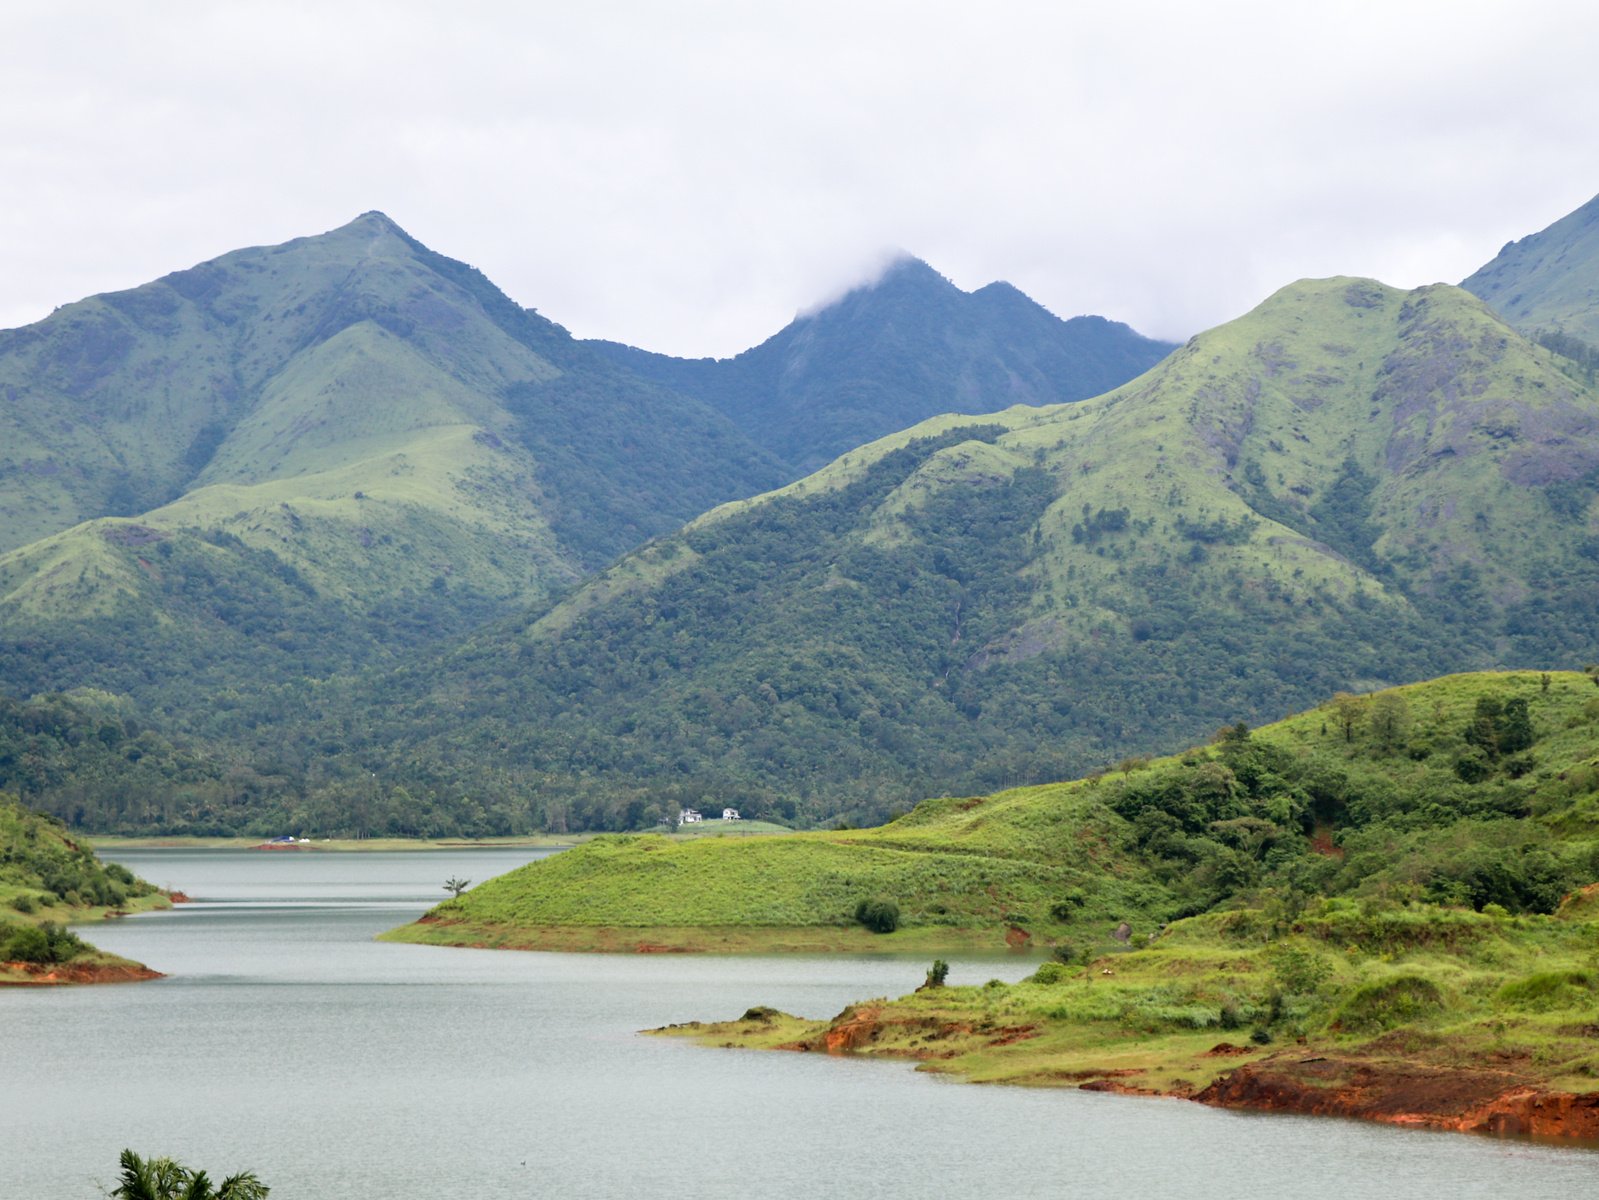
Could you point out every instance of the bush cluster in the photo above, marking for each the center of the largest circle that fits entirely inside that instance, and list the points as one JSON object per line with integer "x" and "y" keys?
{"x": 879, "y": 914}
{"x": 47, "y": 943}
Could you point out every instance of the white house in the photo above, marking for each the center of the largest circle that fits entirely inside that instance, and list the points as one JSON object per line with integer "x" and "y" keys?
{"x": 730, "y": 814}
{"x": 688, "y": 816}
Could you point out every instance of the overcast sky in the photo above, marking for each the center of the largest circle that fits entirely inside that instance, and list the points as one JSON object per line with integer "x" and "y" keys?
{"x": 685, "y": 177}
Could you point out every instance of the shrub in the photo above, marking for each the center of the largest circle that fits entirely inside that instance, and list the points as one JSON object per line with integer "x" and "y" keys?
{"x": 46, "y": 943}
{"x": 879, "y": 914}
{"x": 1297, "y": 971}
{"x": 1550, "y": 990}
{"x": 24, "y": 903}
{"x": 1387, "y": 1003}
{"x": 1066, "y": 907}
{"x": 1473, "y": 766}
{"x": 25, "y": 944}
{"x": 937, "y": 973}
{"x": 1048, "y": 973}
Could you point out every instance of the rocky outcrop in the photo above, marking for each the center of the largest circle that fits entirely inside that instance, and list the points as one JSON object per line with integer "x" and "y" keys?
{"x": 21, "y": 974}
{"x": 1399, "y": 1093}
{"x": 1395, "y": 1091}
{"x": 863, "y": 1028}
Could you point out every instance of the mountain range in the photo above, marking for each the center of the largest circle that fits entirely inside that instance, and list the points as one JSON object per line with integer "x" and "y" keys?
{"x": 301, "y": 458}
{"x": 1349, "y": 486}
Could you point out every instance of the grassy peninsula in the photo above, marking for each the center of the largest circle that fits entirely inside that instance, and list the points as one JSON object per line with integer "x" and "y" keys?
{"x": 1385, "y": 907}
{"x": 48, "y": 879}
{"x": 1467, "y": 790}
{"x": 1407, "y": 1013}
{"x": 1439, "y": 966}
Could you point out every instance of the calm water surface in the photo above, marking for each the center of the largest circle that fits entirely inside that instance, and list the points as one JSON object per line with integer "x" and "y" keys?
{"x": 287, "y": 1041}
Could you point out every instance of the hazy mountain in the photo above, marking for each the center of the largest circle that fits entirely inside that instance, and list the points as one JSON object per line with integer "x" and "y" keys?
{"x": 1350, "y": 485}
{"x": 296, "y": 454}
{"x": 1548, "y": 281}
{"x": 907, "y": 347}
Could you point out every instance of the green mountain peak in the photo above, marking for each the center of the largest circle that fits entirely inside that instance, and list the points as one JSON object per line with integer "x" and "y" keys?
{"x": 899, "y": 349}
{"x": 351, "y": 416}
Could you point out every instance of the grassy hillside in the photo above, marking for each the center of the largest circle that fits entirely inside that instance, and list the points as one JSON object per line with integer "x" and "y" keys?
{"x": 46, "y": 879}
{"x": 1399, "y": 920}
{"x": 1441, "y": 1019}
{"x": 1471, "y": 790}
{"x": 1549, "y": 281}
{"x": 1349, "y": 487}
{"x": 297, "y": 458}
{"x": 909, "y": 346}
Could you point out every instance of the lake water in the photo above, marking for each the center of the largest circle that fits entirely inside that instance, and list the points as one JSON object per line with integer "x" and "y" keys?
{"x": 288, "y": 1042}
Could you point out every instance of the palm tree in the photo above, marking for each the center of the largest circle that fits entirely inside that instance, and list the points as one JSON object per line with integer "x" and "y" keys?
{"x": 163, "y": 1179}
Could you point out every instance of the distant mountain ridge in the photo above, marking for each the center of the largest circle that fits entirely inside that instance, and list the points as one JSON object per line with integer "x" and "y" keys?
{"x": 908, "y": 346}
{"x": 1549, "y": 280}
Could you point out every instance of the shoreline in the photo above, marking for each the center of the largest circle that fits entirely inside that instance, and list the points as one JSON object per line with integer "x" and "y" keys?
{"x": 710, "y": 831}
{"x": 113, "y": 842}
{"x": 431, "y": 930}
{"x": 1313, "y": 1079}
{"x": 78, "y": 972}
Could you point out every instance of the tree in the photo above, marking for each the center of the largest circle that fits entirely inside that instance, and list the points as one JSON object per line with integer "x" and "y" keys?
{"x": 1390, "y": 719}
{"x": 163, "y": 1179}
{"x": 456, "y": 886}
{"x": 1515, "y": 727}
{"x": 1348, "y": 710}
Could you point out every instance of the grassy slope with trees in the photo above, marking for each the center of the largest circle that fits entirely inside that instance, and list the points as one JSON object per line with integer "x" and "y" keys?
{"x": 1349, "y": 487}
{"x": 48, "y": 879}
{"x": 1469, "y": 790}
{"x": 1385, "y": 907}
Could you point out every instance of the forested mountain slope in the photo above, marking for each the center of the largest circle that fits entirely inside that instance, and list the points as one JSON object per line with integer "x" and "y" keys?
{"x": 297, "y": 457}
{"x": 909, "y": 346}
{"x": 1350, "y": 486}
{"x": 1347, "y": 487}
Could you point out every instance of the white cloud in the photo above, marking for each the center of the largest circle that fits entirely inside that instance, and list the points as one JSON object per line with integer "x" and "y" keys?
{"x": 687, "y": 176}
